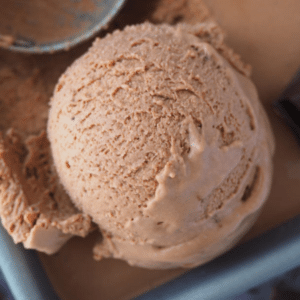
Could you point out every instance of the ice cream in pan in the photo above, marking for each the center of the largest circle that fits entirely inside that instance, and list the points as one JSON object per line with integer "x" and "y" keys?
{"x": 158, "y": 141}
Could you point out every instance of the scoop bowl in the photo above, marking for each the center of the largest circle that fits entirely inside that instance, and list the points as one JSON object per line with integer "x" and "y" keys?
{"x": 43, "y": 26}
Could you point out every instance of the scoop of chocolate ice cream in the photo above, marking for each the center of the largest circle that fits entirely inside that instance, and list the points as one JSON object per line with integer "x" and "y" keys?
{"x": 157, "y": 133}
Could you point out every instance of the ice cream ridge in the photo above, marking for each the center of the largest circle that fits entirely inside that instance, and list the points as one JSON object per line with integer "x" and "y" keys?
{"x": 158, "y": 137}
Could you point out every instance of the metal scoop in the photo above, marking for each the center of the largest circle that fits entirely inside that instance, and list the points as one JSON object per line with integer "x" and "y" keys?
{"x": 41, "y": 26}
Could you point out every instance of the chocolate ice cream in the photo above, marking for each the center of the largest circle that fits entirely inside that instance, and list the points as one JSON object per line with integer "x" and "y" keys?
{"x": 34, "y": 208}
{"x": 157, "y": 133}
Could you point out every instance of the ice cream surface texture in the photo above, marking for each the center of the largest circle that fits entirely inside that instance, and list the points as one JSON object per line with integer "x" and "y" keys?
{"x": 157, "y": 133}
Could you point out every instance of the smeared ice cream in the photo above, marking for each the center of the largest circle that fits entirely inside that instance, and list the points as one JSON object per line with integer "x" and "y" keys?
{"x": 34, "y": 207}
{"x": 157, "y": 133}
